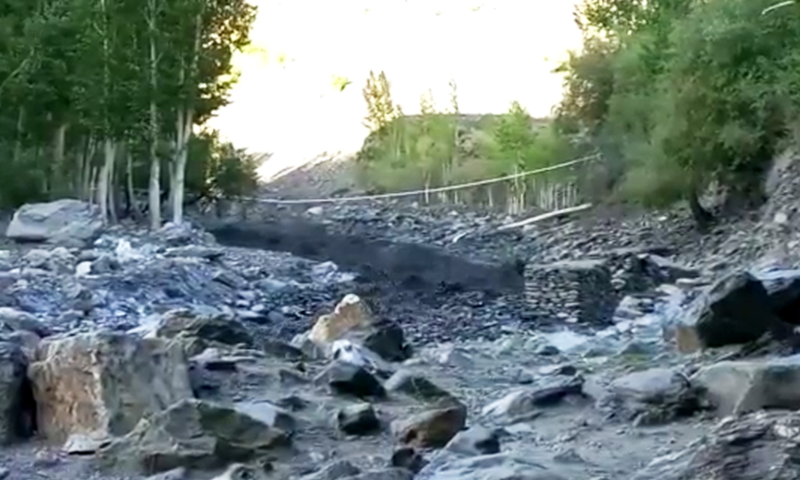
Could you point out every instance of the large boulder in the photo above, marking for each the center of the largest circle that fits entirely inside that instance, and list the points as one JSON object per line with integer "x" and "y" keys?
{"x": 67, "y": 221}
{"x": 194, "y": 434}
{"x": 737, "y": 309}
{"x": 760, "y": 446}
{"x": 738, "y": 387}
{"x": 353, "y": 320}
{"x": 102, "y": 384}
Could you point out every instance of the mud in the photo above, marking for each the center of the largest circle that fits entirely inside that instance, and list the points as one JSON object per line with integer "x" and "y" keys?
{"x": 408, "y": 265}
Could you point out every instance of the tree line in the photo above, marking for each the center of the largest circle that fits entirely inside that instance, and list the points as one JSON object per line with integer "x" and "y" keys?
{"x": 99, "y": 99}
{"x": 440, "y": 147}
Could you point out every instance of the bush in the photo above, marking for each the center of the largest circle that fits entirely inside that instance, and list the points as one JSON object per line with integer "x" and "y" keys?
{"x": 685, "y": 94}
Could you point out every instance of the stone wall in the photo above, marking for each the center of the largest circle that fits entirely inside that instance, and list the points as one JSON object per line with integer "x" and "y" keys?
{"x": 577, "y": 291}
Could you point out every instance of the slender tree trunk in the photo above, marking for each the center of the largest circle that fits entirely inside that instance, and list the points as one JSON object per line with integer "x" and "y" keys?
{"x": 702, "y": 217}
{"x": 104, "y": 179}
{"x": 154, "y": 188}
{"x": 180, "y": 166}
{"x": 59, "y": 140}
{"x": 112, "y": 186}
{"x": 20, "y": 132}
{"x": 184, "y": 134}
{"x": 133, "y": 207}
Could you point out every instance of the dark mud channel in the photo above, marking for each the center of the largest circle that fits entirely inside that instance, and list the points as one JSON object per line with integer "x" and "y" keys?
{"x": 407, "y": 265}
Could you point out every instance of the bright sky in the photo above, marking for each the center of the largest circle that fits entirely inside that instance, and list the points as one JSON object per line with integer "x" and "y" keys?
{"x": 496, "y": 51}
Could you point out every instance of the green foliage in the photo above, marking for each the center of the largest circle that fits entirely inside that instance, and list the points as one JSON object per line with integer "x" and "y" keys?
{"x": 680, "y": 93}
{"x": 77, "y": 73}
{"x": 219, "y": 170}
{"x": 380, "y": 106}
{"x": 438, "y": 149}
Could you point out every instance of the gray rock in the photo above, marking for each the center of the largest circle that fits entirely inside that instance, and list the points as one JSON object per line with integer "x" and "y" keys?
{"x": 17, "y": 320}
{"x": 737, "y": 309}
{"x": 485, "y": 467}
{"x": 212, "y": 326}
{"x": 269, "y": 414}
{"x": 193, "y": 434}
{"x": 67, "y": 221}
{"x": 522, "y": 402}
{"x": 174, "y": 474}
{"x": 476, "y": 440}
{"x": 387, "y": 474}
{"x": 358, "y": 419}
{"x": 349, "y": 379}
{"x": 415, "y": 386}
{"x": 737, "y": 387}
{"x": 334, "y": 471}
{"x": 432, "y": 428}
{"x": 408, "y": 458}
{"x": 651, "y": 396}
{"x": 757, "y": 446}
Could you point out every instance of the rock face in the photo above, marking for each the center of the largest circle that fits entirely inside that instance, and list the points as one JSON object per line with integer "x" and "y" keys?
{"x": 66, "y": 221}
{"x": 738, "y": 387}
{"x": 102, "y": 384}
{"x": 760, "y": 446}
{"x": 651, "y": 396}
{"x": 194, "y": 433}
{"x": 577, "y": 290}
{"x": 737, "y": 309}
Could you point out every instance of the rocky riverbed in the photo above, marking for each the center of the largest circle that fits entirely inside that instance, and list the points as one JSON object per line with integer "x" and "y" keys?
{"x": 249, "y": 354}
